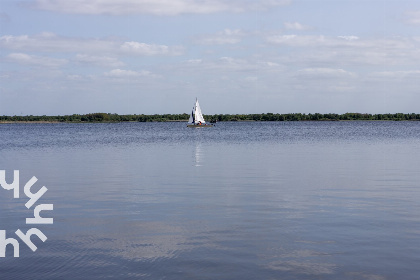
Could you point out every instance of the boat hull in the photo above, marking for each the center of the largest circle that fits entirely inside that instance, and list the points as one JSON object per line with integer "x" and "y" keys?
{"x": 198, "y": 125}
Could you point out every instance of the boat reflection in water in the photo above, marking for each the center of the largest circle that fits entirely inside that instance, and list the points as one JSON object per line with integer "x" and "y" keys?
{"x": 198, "y": 155}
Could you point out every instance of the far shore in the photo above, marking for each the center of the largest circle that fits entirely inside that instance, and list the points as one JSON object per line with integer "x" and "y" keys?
{"x": 41, "y": 122}
{"x": 6, "y": 122}
{"x": 185, "y": 121}
{"x": 116, "y": 118}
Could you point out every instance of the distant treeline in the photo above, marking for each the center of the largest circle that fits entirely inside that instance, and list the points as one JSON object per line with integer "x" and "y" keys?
{"x": 316, "y": 117}
{"x": 105, "y": 117}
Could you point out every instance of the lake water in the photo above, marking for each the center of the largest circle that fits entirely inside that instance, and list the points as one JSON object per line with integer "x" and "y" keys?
{"x": 248, "y": 200}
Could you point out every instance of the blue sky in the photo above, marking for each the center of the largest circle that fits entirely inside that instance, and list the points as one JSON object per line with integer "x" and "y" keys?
{"x": 62, "y": 57}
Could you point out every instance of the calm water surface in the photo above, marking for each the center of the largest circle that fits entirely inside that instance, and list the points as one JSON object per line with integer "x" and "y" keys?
{"x": 270, "y": 200}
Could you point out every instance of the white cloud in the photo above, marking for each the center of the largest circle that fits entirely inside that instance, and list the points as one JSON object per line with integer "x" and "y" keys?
{"x": 48, "y": 42}
{"x": 98, "y": 60}
{"x": 349, "y": 38}
{"x": 27, "y": 59}
{"x": 156, "y": 7}
{"x": 296, "y": 26}
{"x": 315, "y": 40}
{"x": 349, "y": 50}
{"x": 74, "y": 77}
{"x": 269, "y": 64}
{"x": 227, "y": 36}
{"x": 396, "y": 74}
{"x": 412, "y": 17}
{"x": 229, "y": 66}
{"x": 241, "y": 65}
{"x": 317, "y": 73}
{"x": 120, "y": 73}
{"x": 194, "y": 61}
{"x": 216, "y": 66}
{"x": 401, "y": 87}
{"x": 137, "y": 48}
{"x": 322, "y": 80}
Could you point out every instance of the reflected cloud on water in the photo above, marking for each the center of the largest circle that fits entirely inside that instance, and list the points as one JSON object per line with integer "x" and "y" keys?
{"x": 284, "y": 202}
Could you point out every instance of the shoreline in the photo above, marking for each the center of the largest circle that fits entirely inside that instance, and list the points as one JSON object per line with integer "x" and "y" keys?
{"x": 179, "y": 121}
{"x": 113, "y": 118}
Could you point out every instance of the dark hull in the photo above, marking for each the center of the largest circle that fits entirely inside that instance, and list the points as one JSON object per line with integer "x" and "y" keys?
{"x": 198, "y": 125}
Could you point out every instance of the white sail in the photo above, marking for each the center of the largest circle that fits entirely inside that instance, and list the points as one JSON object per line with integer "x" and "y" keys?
{"x": 192, "y": 116}
{"x": 196, "y": 116}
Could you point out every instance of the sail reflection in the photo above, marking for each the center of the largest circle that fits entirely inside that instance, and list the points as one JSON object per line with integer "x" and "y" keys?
{"x": 198, "y": 155}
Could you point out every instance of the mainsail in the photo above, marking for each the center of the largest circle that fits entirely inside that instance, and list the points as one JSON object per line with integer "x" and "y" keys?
{"x": 196, "y": 115}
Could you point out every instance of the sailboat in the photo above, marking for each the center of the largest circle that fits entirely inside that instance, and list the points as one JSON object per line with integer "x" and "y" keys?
{"x": 196, "y": 117}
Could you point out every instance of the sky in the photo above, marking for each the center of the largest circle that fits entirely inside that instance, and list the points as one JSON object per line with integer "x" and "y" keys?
{"x": 61, "y": 57}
